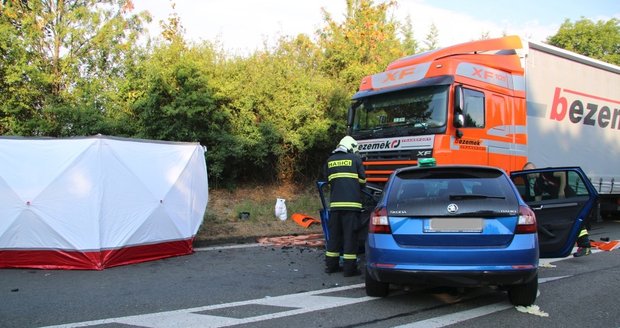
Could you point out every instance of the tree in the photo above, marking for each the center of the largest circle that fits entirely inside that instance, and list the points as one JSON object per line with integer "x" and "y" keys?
{"x": 432, "y": 38}
{"x": 600, "y": 40}
{"x": 410, "y": 45}
{"x": 75, "y": 67}
{"x": 23, "y": 84}
{"x": 277, "y": 101}
{"x": 174, "y": 100}
{"x": 73, "y": 53}
{"x": 363, "y": 44}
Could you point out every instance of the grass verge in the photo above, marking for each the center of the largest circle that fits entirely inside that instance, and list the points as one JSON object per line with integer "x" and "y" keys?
{"x": 222, "y": 223}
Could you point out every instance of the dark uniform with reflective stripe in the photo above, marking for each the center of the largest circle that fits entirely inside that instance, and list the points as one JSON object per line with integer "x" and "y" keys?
{"x": 346, "y": 176}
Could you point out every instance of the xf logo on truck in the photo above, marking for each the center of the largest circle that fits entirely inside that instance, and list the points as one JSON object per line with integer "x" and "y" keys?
{"x": 585, "y": 109}
{"x": 485, "y": 74}
{"x": 400, "y": 76}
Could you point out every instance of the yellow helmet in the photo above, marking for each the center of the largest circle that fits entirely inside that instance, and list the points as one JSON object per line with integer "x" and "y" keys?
{"x": 349, "y": 143}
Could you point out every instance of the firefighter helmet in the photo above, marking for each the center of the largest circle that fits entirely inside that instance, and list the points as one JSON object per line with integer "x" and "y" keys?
{"x": 349, "y": 143}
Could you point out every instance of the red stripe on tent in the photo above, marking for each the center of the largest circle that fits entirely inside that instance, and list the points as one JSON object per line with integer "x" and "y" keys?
{"x": 77, "y": 260}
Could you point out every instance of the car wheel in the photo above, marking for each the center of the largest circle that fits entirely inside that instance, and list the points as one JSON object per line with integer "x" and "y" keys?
{"x": 376, "y": 288}
{"x": 523, "y": 294}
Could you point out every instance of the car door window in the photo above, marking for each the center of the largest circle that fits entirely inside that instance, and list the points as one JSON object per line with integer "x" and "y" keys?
{"x": 552, "y": 186}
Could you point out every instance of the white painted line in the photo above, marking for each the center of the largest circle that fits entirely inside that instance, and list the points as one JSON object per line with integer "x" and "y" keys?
{"x": 457, "y": 317}
{"x": 453, "y": 318}
{"x": 303, "y": 302}
{"x": 185, "y": 320}
{"x": 310, "y": 302}
{"x": 544, "y": 280}
{"x": 557, "y": 259}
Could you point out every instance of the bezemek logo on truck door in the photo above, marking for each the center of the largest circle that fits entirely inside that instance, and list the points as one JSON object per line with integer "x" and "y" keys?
{"x": 582, "y": 108}
{"x": 403, "y": 143}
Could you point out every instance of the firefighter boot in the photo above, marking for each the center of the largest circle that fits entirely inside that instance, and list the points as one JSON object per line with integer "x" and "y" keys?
{"x": 332, "y": 264}
{"x": 350, "y": 268}
{"x": 582, "y": 251}
{"x": 583, "y": 244}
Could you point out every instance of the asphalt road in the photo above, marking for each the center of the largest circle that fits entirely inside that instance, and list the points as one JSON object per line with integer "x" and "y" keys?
{"x": 258, "y": 286}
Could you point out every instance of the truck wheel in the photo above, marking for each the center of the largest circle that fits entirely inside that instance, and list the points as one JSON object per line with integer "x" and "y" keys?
{"x": 376, "y": 288}
{"x": 523, "y": 294}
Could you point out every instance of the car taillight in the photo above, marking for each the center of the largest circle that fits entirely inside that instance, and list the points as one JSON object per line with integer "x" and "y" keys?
{"x": 527, "y": 220}
{"x": 379, "y": 222}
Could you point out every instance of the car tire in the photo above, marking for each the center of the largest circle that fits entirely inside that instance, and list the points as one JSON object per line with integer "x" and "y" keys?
{"x": 375, "y": 288}
{"x": 524, "y": 294}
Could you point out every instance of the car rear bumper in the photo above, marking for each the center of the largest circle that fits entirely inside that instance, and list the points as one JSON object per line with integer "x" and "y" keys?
{"x": 452, "y": 278}
{"x": 516, "y": 263}
{"x": 383, "y": 251}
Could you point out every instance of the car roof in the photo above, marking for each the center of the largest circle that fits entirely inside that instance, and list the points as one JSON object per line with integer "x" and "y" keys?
{"x": 450, "y": 167}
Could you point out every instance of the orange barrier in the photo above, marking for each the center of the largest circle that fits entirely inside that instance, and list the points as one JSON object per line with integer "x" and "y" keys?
{"x": 304, "y": 220}
{"x": 606, "y": 246}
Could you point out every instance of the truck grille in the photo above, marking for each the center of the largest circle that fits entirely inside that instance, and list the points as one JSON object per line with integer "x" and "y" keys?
{"x": 379, "y": 165}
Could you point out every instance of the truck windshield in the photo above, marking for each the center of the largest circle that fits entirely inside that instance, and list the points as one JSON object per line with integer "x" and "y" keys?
{"x": 410, "y": 111}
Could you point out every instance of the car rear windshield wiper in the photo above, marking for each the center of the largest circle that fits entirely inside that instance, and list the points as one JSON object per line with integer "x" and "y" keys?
{"x": 468, "y": 196}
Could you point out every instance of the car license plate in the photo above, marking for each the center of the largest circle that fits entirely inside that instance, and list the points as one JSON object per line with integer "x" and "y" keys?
{"x": 454, "y": 225}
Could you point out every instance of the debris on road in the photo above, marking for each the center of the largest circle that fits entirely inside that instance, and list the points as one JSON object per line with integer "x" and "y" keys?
{"x": 532, "y": 309}
{"x": 546, "y": 265}
{"x": 312, "y": 240}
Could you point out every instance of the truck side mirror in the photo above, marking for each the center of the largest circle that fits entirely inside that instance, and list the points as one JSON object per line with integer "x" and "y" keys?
{"x": 459, "y": 120}
{"x": 458, "y": 99}
{"x": 350, "y": 118}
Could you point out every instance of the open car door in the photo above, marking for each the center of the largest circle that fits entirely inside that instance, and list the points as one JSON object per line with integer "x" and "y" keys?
{"x": 562, "y": 198}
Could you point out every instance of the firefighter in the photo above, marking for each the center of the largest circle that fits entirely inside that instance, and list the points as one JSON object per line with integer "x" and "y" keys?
{"x": 346, "y": 177}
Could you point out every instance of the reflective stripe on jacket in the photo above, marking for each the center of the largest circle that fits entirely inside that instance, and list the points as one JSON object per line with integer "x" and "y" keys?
{"x": 346, "y": 175}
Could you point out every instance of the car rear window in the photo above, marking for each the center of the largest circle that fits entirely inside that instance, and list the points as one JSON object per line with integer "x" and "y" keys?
{"x": 427, "y": 192}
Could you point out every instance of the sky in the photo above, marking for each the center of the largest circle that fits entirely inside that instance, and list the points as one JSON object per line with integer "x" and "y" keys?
{"x": 242, "y": 26}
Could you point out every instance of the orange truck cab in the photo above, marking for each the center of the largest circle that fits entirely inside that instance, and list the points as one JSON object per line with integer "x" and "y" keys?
{"x": 499, "y": 102}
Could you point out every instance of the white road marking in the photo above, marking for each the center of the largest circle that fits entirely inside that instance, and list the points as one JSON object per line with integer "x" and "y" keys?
{"x": 301, "y": 303}
{"x": 457, "y": 317}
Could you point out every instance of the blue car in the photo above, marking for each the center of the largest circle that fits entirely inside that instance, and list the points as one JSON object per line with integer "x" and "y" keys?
{"x": 470, "y": 226}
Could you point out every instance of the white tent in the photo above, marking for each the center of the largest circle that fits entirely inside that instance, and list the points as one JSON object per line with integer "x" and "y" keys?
{"x": 97, "y": 202}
